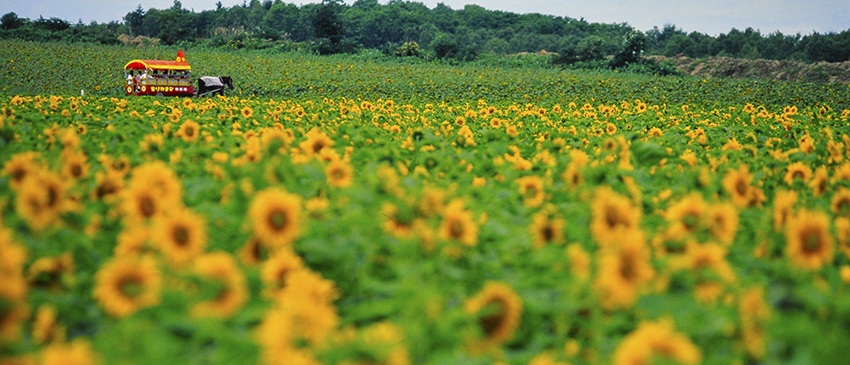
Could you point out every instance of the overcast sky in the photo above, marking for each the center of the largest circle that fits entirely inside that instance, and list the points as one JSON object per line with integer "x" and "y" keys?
{"x": 710, "y": 17}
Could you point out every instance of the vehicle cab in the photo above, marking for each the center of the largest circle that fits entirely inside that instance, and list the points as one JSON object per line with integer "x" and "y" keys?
{"x": 159, "y": 77}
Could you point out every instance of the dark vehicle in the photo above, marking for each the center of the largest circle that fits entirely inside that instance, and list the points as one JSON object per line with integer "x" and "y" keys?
{"x": 212, "y": 85}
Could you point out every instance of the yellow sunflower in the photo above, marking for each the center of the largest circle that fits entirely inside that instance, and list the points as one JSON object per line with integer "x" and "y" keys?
{"x": 339, "y": 174}
{"x": 457, "y": 224}
{"x": 612, "y": 215}
{"x": 809, "y": 244}
{"x": 723, "y": 222}
{"x": 737, "y": 182}
{"x": 232, "y": 293}
{"x": 180, "y": 235}
{"x": 125, "y": 285}
{"x": 545, "y": 229}
{"x": 275, "y": 216}
{"x": 45, "y": 327}
{"x": 247, "y": 112}
{"x": 315, "y": 142}
{"x": 189, "y": 131}
{"x": 797, "y": 170}
{"x": 276, "y": 270}
{"x": 19, "y": 166}
{"x": 498, "y": 309}
{"x": 41, "y": 198}
{"x": 656, "y": 341}
{"x": 783, "y": 203}
{"x": 75, "y": 165}
{"x": 624, "y": 270}
{"x": 531, "y": 189}
{"x": 77, "y": 352}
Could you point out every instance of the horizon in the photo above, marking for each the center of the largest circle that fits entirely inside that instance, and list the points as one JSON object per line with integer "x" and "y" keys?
{"x": 706, "y": 17}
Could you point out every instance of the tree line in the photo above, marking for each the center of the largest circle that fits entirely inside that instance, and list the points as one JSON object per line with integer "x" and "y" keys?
{"x": 411, "y": 28}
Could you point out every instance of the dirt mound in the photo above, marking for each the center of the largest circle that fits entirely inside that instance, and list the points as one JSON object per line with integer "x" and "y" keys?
{"x": 714, "y": 67}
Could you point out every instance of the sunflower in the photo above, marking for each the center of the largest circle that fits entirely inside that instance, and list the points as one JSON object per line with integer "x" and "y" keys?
{"x": 221, "y": 268}
{"x": 52, "y": 272}
{"x": 458, "y": 224}
{"x": 315, "y": 142}
{"x": 723, "y": 222}
{"x": 737, "y": 185}
{"x": 809, "y": 244}
{"x": 247, "y": 112}
{"x": 275, "y": 216}
{"x": 153, "y": 189}
{"x": 19, "y": 166}
{"x": 140, "y": 203}
{"x": 339, "y": 174}
{"x": 180, "y": 234}
{"x": 125, "y": 285}
{"x": 797, "y": 170}
{"x": 252, "y": 252}
{"x": 189, "y": 131}
{"x": 624, "y": 270}
{"x": 45, "y": 329}
{"x": 498, "y": 309}
{"x": 308, "y": 299}
{"x": 108, "y": 186}
{"x": 77, "y": 352}
{"x": 708, "y": 264}
{"x": 75, "y": 165}
{"x": 687, "y": 215}
{"x": 754, "y": 312}
{"x": 545, "y": 229}
{"x": 612, "y": 214}
{"x": 41, "y": 199}
{"x": 818, "y": 184}
{"x": 276, "y": 270}
{"x": 783, "y": 203}
{"x": 656, "y": 341}
{"x": 133, "y": 241}
{"x": 279, "y": 340}
{"x": 842, "y": 234}
{"x": 531, "y": 189}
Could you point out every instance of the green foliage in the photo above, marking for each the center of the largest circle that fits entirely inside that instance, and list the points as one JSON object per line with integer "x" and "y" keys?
{"x": 408, "y": 49}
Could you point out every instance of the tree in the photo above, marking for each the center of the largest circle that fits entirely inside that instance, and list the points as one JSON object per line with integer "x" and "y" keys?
{"x": 326, "y": 22}
{"x": 11, "y": 21}
{"x": 634, "y": 43}
{"x": 135, "y": 20}
{"x": 444, "y": 45}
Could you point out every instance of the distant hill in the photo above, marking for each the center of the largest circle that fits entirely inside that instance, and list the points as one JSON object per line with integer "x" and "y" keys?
{"x": 737, "y": 68}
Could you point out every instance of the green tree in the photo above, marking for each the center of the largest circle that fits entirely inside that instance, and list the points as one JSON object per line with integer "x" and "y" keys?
{"x": 11, "y": 21}
{"x": 135, "y": 20}
{"x": 444, "y": 45}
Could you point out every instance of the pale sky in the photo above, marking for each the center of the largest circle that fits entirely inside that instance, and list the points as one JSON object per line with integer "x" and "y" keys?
{"x": 710, "y": 17}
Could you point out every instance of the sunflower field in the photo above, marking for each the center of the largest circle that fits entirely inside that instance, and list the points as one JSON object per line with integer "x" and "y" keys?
{"x": 345, "y": 211}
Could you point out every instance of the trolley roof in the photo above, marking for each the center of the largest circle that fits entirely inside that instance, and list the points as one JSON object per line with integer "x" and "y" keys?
{"x": 178, "y": 64}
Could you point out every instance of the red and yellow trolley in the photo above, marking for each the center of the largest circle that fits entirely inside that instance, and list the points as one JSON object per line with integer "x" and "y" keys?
{"x": 159, "y": 77}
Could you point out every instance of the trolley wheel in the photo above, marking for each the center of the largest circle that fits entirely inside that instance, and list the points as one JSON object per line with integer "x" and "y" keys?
{"x": 159, "y": 95}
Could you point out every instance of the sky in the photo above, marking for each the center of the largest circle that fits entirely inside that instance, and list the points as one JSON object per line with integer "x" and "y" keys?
{"x": 709, "y": 17}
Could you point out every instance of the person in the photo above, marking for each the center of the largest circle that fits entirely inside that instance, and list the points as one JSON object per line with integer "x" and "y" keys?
{"x": 144, "y": 78}
{"x": 130, "y": 78}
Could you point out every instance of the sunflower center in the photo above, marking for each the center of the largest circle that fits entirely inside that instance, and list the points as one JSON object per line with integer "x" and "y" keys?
{"x": 811, "y": 242}
{"x": 277, "y": 220}
{"x": 147, "y": 207}
{"x": 456, "y": 229}
{"x": 612, "y": 218}
{"x": 181, "y": 236}
{"x": 130, "y": 287}
{"x": 628, "y": 269}
{"x": 741, "y": 187}
{"x": 190, "y": 132}
{"x": 76, "y": 171}
{"x": 690, "y": 221}
{"x": 491, "y": 323}
{"x": 548, "y": 233}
